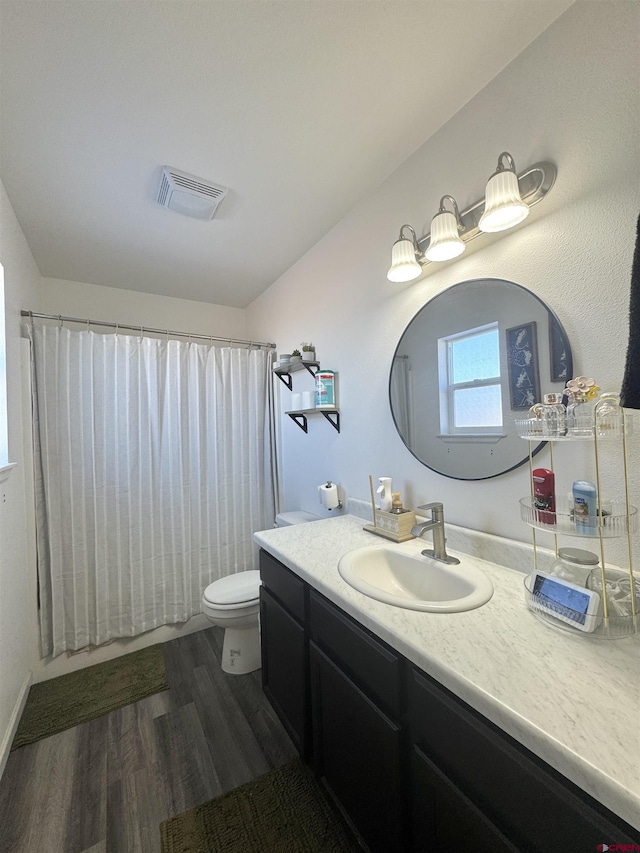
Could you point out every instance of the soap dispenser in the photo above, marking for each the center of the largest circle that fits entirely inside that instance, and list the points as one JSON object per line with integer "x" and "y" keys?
{"x": 396, "y": 504}
{"x": 384, "y": 492}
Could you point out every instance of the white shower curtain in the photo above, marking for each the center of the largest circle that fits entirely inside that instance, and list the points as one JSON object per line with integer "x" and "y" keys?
{"x": 401, "y": 397}
{"x": 153, "y": 470}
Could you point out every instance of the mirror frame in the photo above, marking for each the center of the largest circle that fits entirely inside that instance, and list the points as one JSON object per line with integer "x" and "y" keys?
{"x": 569, "y": 363}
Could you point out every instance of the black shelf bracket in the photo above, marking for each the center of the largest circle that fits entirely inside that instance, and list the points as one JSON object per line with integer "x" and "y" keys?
{"x": 333, "y": 418}
{"x": 300, "y": 419}
{"x": 286, "y": 378}
{"x": 283, "y": 372}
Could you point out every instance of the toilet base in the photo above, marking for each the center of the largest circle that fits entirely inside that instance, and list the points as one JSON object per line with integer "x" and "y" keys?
{"x": 241, "y": 650}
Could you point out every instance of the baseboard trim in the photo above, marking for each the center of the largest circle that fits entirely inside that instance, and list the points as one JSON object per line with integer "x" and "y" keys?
{"x": 7, "y": 740}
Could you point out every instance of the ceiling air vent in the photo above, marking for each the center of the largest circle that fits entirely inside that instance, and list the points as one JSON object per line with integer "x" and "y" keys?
{"x": 189, "y": 195}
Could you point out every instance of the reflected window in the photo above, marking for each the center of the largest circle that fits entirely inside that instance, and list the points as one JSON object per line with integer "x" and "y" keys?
{"x": 469, "y": 380}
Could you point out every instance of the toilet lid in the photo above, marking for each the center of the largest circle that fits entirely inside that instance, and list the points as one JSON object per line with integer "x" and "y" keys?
{"x": 234, "y": 589}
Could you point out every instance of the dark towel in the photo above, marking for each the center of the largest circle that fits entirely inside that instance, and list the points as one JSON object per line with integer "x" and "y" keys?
{"x": 630, "y": 394}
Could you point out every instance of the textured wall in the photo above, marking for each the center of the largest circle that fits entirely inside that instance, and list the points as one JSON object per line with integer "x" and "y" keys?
{"x": 21, "y": 279}
{"x": 571, "y": 97}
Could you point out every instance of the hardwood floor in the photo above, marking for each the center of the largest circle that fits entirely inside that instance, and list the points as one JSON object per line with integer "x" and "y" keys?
{"x": 105, "y": 786}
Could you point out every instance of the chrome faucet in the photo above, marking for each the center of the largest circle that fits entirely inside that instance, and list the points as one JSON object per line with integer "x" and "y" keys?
{"x": 436, "y": 524}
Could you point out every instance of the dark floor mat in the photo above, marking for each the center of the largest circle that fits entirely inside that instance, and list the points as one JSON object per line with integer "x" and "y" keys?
{"x": 286, "y": 811}
{"x": 63, "y": 702}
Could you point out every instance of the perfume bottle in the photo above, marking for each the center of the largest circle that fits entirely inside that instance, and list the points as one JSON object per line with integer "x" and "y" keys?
{"x": 534, "y": 420}
{"x": 580, "y": 414}
{"x": 554, "y": 416}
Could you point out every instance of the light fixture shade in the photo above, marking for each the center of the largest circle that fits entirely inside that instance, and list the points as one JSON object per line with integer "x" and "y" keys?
{"x": 404, "y": 266}
{"x": 503, "y": 207}
{"x": 445, "y": 242}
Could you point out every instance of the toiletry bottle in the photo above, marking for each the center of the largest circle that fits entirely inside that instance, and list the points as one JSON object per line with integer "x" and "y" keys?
{"x": 544, "y": 495}
{"x": 585, "y": 507}
{"x": 554, "y": 415}
{"x": 396, "y": 503}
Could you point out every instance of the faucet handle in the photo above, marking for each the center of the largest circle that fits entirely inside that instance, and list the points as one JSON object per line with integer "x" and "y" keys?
{"x": 437, "y": 509}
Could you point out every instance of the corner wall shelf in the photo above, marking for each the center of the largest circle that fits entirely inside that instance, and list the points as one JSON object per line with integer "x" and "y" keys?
{"x": 284, "y": 371}
{"x": 300, "y": 417}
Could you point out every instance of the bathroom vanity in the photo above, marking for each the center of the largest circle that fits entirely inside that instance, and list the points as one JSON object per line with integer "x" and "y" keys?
{"x": 480, "y": 730}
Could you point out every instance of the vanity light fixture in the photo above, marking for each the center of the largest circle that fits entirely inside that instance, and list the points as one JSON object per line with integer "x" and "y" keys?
{"x": 503, "y": 206}
{"x": 508, "y": 200}
{"x": 445, "y": 240}
{"x": 405, "y": 257}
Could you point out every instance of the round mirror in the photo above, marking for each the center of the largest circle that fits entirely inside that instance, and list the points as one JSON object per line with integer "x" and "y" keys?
{"x": 470, "y": 363}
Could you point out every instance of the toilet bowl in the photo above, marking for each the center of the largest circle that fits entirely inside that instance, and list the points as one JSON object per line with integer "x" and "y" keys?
{"x": 233, "y": 603}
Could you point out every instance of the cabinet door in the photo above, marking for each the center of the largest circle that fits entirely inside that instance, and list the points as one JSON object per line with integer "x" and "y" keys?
{"x": 534, "y": 806}
{"x": 443, "y": 818}
{"x": 357, "y": 750}
{"x": 284, "y": 669}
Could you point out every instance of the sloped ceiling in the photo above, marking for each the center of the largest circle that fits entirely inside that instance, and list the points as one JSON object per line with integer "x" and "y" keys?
{"x": 299, "y": 107}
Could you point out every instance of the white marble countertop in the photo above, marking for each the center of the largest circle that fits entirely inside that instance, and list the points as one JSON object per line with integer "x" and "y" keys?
{"x": 573, "y": 701}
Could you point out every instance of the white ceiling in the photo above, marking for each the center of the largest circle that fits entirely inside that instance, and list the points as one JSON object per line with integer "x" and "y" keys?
{"x": 300, "y": 107}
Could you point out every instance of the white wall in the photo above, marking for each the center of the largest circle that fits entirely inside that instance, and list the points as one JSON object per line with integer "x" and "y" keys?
{"x": 112, "y": 304}
{"x": 571, "y": 97}
{"x": 21, "y": 279}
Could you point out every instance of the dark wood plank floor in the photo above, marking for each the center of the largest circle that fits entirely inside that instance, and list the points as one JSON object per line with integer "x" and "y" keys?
{"x": 105, "y": 786}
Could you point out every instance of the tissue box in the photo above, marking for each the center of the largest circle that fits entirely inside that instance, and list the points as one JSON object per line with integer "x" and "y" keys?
{"x": 392, "y": 525}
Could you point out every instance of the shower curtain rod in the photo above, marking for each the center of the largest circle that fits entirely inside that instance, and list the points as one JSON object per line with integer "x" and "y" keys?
{"x": 143, "y": 329}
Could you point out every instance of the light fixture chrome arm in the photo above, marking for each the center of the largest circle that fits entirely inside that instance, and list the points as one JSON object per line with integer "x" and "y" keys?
{"x": 414, "y": 236}
{"x": 456, "y": 212}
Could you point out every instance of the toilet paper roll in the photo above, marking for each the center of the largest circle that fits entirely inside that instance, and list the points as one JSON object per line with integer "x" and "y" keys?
{"x": 308, "y": 400}
{"x": 329, "y": 495}
{"x": 296, "y": 401}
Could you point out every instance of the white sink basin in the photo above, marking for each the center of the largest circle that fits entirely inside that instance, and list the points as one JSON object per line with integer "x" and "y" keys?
{"x": 413, "y": 581}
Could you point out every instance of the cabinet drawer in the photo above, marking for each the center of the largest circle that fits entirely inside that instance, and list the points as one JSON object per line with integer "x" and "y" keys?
{"x": 371, "y": 664}
{"x": 533, "y": 805}
{"x": 288, "y": 588}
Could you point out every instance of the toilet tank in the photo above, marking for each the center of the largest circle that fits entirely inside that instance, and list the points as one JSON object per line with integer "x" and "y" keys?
{"x": 284, "y": 519}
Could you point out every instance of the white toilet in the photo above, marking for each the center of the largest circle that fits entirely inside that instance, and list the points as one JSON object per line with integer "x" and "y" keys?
{"x": 233, "y": 603}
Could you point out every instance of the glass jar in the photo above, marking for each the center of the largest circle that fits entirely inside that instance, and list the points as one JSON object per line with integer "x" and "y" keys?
{"x": 608, "y": 415}
{"x": 553, "y": 415}
{"x": 580, "y": 415}
{"x": 574, "y": 564}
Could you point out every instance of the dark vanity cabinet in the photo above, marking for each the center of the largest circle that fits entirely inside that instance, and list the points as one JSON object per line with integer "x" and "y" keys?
{"x": 412, "y": 766}
{"x": 285, "y": 652}
{"x": 477, "y": 789}
{"x": 357, "y": 730}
